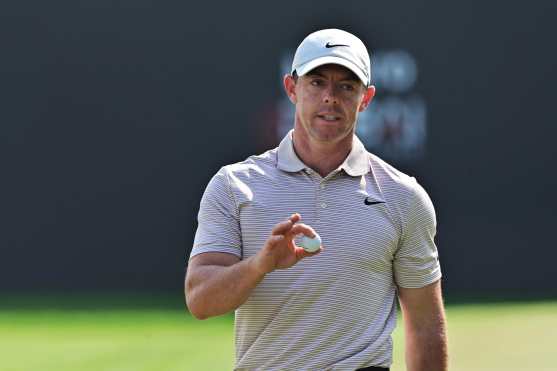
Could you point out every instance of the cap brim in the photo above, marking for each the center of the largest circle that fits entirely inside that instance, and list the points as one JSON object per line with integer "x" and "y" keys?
{"x": 305, "y": 68}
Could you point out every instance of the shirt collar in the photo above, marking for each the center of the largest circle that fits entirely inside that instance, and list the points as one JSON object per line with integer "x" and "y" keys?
{"x": 355, "y": 164}
{"x": 287, "y": 158}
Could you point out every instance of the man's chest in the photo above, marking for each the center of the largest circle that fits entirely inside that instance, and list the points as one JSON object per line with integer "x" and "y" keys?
{"x": 353, "y": 220}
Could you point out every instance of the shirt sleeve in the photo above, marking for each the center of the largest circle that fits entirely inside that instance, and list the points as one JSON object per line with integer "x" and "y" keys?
{"x": 218, "y": 226}
{"x": 416, "y": 261}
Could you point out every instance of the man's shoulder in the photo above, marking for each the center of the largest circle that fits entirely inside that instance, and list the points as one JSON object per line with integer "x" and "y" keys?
{"x": 390, "y": 177}
{"x": 402, "y": 191}
{"x": 255, "y": 164}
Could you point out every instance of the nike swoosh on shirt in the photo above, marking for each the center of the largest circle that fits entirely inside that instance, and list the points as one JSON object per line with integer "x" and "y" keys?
{"x": 368, "y": 202}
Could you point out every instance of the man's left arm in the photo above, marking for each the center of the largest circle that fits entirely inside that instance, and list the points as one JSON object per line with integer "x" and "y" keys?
{"x": 425, "y": 328}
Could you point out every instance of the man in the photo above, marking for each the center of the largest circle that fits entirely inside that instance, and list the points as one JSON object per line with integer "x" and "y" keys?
{"x": 334, "y": 309}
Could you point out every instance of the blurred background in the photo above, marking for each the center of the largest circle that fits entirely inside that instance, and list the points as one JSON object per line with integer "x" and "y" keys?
{"x": 115, "y": 115}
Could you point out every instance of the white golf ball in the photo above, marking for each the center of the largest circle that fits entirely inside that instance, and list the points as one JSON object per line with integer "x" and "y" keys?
{"x": 311, "y": 244}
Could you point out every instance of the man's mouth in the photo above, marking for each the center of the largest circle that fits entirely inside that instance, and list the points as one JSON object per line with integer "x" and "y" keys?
{"x": 330, "y": 118}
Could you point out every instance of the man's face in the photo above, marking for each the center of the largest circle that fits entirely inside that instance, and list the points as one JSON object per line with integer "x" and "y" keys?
{"x": 328, "y": 100}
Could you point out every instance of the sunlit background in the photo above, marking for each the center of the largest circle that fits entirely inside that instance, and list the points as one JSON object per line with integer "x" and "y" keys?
{"x": 115, "y": 115}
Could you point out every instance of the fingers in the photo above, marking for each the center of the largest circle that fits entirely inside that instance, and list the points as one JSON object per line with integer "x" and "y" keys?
{"x": 304, "y": 229}
{"x": 301, "y": 253}
{"x": 288, "y": 230}
{"x": 285, "y": 226}
{"x": 282, "y": 228}
{"x": 275, "y": 240}
{"x": 308, "y": 231}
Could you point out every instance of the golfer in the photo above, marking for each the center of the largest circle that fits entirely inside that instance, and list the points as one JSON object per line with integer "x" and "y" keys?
{"x": 334, "y": 309}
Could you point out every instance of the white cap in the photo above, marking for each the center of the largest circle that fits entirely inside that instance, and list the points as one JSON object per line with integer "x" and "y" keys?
{"x": 333, "y": 46}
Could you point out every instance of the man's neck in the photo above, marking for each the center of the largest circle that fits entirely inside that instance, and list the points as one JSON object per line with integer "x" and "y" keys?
{"x": 321, "y": 157}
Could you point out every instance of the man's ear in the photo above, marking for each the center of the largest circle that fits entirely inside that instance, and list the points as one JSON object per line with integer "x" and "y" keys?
{"x": 290, "y": 88}
{"x": 368, "y": 97}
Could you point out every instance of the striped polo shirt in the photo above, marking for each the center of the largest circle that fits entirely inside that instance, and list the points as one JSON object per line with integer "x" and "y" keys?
{"x": 335, "y": 310}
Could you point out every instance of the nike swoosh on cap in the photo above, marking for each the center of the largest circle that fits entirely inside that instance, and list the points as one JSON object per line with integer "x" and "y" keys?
{"x": 329, "y": 45}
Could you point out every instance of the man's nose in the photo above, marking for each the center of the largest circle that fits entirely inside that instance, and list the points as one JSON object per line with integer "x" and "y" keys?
{"x": 329, "y": 95}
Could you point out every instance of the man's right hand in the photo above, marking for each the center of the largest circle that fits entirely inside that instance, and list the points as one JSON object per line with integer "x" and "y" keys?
{"x": 280, "y": 251}
{"x": 217, "y": 283}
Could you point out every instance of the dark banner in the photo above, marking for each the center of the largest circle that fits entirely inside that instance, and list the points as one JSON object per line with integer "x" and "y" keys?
{"x": 115, "y": 115}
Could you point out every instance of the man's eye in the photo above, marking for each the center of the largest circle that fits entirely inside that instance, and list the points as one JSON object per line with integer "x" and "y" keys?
{"x": 347, "y": 87}
{"x": 315, "y": 82}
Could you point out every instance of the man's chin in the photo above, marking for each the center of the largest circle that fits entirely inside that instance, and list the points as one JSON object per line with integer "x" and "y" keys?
{"x": 328, "y": 134}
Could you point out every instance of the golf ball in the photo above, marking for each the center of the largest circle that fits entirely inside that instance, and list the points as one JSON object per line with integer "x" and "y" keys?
{"x": 311, "y": 244}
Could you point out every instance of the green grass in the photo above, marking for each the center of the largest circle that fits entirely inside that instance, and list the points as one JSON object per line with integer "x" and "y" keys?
{"x": 483, "y": 337}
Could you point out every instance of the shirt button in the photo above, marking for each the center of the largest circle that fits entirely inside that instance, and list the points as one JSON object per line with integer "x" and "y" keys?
{"x": 322, "y": 186}
{"x": 323, "y": 205}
